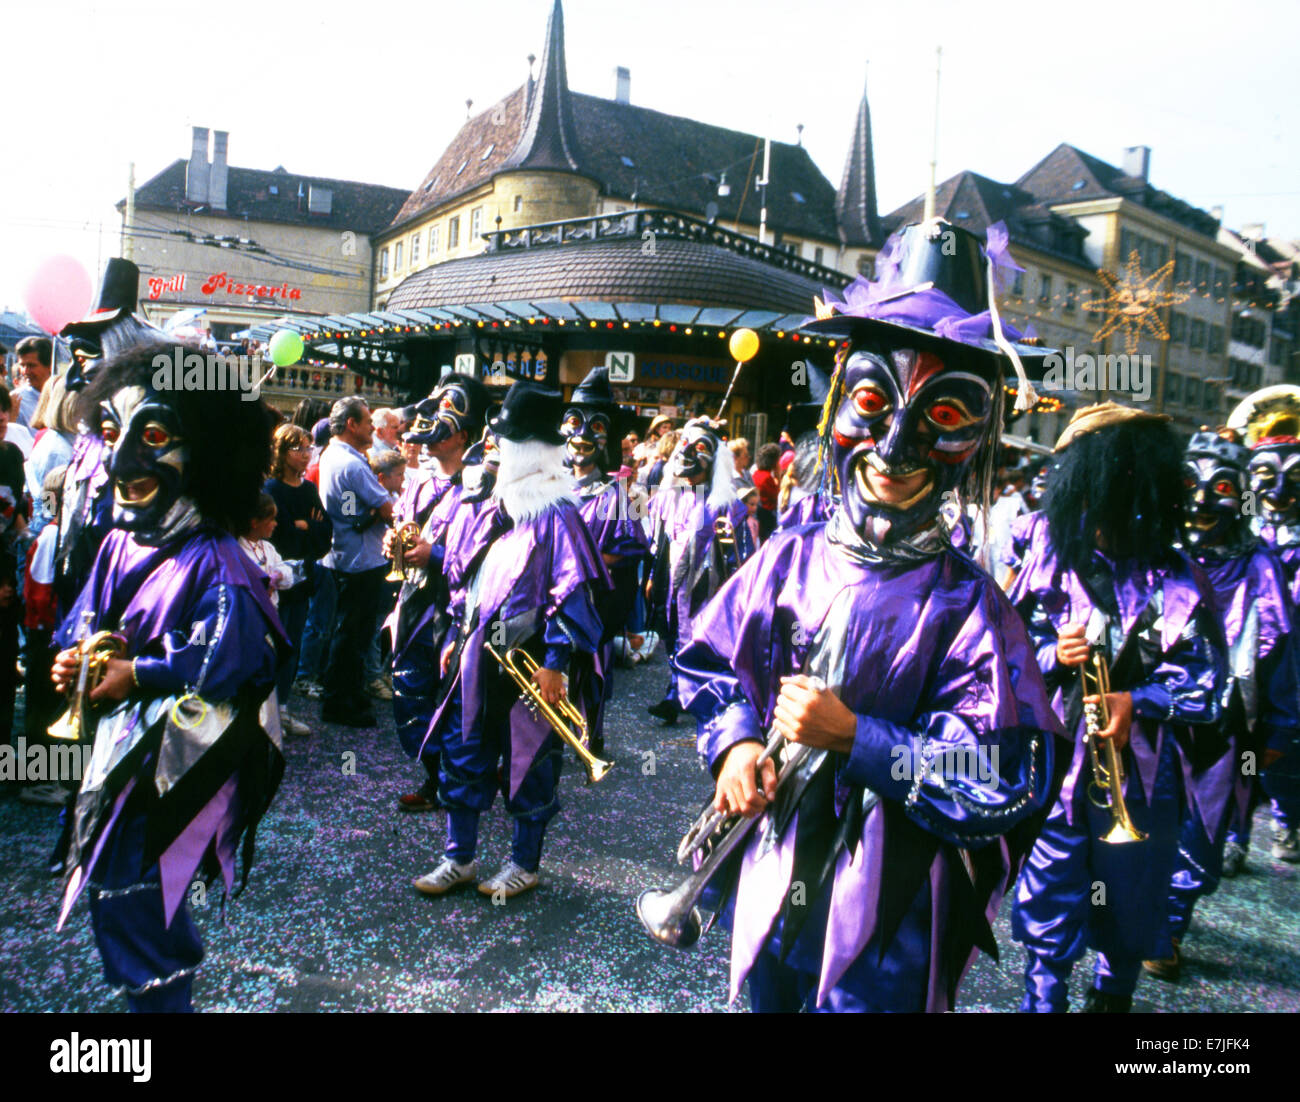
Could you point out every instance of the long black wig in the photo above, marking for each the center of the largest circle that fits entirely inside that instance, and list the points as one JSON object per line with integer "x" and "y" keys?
{"x": 229, "y": 438}
{"x": 1119, "y": 489}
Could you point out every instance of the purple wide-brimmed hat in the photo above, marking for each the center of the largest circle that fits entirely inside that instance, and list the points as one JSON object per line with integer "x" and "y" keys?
{"x": 937, "y": 280}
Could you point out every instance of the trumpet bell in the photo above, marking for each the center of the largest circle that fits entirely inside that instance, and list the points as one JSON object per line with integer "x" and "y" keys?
{"x": 1122, "y": 832}
{"x": 664, "y": 921}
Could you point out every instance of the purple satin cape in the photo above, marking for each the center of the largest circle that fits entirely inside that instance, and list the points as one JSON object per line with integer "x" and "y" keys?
{"x": 931, "y": 658}
{"x": 527, "y": 573}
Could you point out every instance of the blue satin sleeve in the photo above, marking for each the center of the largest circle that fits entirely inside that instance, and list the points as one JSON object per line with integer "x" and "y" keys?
{"x": 1279, "y": 707}
{"x": 1187, "y": 686}
{"x": 965, "y": 785}
{"x": 223, "y": 647}
{"x": 574, "y": 626}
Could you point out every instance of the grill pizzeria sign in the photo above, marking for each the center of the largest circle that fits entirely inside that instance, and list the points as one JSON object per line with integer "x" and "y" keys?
{"x": 160, "y": 285}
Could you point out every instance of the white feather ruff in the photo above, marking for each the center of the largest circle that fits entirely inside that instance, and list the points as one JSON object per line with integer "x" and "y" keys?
{"x": 723, "y": 491}
{"x": 532, "y": 478}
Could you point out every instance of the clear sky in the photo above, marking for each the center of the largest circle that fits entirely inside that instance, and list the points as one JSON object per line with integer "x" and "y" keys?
{"x": 375, "y": 91}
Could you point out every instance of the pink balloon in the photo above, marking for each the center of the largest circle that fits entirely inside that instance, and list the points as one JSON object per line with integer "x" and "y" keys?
{"x": 58, "y": 292}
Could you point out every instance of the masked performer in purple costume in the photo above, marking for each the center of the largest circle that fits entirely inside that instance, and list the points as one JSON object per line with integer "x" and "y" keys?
{"x": 1261, "y": 701}
{"x": 590, "y": 429}
{"x": 1108, "y": 575}
{"x": 879, "y": 867}
{"x": 1270, "y": 421}
{"x": 523, "y": 577}
{"x": 446, "y": 423}
{"x": 182, "y": 767}
{"x": 1027, "y": 529}
{"x": 693, "y": 556}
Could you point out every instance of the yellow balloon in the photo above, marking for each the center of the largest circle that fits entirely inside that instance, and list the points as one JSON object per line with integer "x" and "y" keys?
{"x": 743, "y": 344}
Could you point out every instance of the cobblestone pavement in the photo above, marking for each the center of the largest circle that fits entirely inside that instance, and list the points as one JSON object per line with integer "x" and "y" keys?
{"x": 330, "y": 921}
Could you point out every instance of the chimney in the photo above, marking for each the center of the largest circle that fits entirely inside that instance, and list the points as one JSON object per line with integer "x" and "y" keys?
{"x": 1217, "y": 214}
{"x": 622, "y": 85}
{"x": 220, "y": 171}
{"x": 1137, "y": 161}
{"x": 1253, "y": 231}
{"x": 196, "y": 172}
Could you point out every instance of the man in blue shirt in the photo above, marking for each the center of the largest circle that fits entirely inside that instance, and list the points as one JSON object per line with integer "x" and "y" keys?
{"x": 360, "y": 510}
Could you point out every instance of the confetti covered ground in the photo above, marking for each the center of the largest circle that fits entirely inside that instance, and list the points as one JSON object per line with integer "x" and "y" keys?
{"x": 330, "y": 921}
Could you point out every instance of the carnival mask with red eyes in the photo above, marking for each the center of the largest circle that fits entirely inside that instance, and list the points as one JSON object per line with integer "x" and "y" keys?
{"x": 905, "y": 432}
{"x": 148, "y": 460}
{"x": 1275, "y": 478}
{"x": 697, "y": 449}
{"x": 586, "y": 437}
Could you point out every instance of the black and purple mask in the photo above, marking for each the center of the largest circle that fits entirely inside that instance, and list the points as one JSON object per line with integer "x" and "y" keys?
{"x": 148, "y": 462}
{"x": 696, "y": 454}
{"x": 1275, "y": 479}
{"x": 448, "y": 410}
{"x": 908, "y": 425}
{"x": 586, "y": 431}
{"x": 1215, "y": 477}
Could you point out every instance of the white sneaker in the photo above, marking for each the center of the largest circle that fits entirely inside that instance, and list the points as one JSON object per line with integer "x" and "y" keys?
{"x": 446, "y": 877}
{"x": 510, "y": 880}
{"x": 292, "y": 726}
{"x": 648, "y": 645}
{"x": 48, "y": 795}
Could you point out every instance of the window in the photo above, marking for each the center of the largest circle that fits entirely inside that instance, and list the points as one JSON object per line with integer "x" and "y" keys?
{"x": 1196, "y": 334}
{"x": 797, "y": 197}
{"x": 1203, "y": 270}
{"x": 817, "y": 255}
{"x": 1211, "y": 397}
{"x": 1018, "y": 285}
{"x": 519, "y": 202}
{"x": 1215, "y": 344}
{"x": 1071, "y": 297}
{"x": 1177, "y": 326}
{"x": 1044, "y": 290}
{"x": 463, "y": 164}
{"x": 1182, "y": 268}
{"x": 397, "y": 257}
{"x": 1221, "y": 276}
{"x": 453, "y": 233}
{"x": 865, "y": 266}
{"x": 415, "y": 250}
{"x": 433, "y": 240}
{"x": 627, "y": 161}
{"x": 1127, "y": 243}
{"x": 487, "y": 152}
{"x": 1278, "y": 350}
{"x": 383, "y": 264}
{"x": 475, "y": 222}
{"x": 1174, "y": 388}
{"x": 1194, "y": 392}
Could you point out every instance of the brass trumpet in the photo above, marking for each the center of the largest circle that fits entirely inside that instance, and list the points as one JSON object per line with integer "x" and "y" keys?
{"x": 671, "y": 917}
{"x": 564, "y": 717}
{"x": 405, "y": 537}
{"x": 1106, "y": 789}
{"x": 93, "y": 652}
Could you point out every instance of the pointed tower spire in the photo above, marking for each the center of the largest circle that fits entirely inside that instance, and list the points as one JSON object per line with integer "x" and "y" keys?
{"x": 855, "y": 203}
{"x": 549, "y": 139}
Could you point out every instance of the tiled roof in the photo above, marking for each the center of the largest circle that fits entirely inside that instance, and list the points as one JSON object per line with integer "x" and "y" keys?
{"x": 363, "y": 208}
{"x": 1069, "y": 175}
{"x": 611, "y": 271}
{"x": 670, "y": 157}
{"x": 975, "y": 202}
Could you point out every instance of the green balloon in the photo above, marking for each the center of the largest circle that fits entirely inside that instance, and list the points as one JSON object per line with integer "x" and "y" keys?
{"x": 286, "y": 348}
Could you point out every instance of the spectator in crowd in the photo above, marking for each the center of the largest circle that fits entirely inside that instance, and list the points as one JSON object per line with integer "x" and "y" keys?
{"x": 42, "y": 703}
{"x": 11, "y": 432}
{"x": 647, "y": 451}
{"x": 256, "y": 543}
{"x": 34, "y": 359}
{"x": 388, "y": 429}
{"x": 12, "y": 526}
{"x": 740, "y": 455}
{"x": 359, "y": 508}
{"x": 390, "y": 469}
{"x": 630, "y": 442}
{"x": 667, "y": 444}
{"x": 53, "y": 447}
{"x": 302, "y": 535}
{"x": 765, "y": 477}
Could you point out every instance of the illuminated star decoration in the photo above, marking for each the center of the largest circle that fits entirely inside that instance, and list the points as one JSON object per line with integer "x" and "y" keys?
{"x": 1133, "y": 303}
